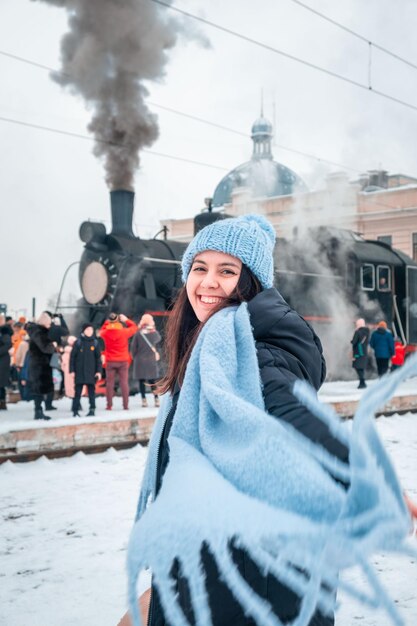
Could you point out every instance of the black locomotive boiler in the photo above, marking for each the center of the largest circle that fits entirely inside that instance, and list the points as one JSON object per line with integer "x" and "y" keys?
{"x": 124, "y": 273}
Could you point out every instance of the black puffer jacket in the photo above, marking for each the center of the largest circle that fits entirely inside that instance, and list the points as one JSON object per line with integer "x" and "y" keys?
{"x": 41, "y": 349}
{"x": 287, "y": 350}
{"x": 85, "y": 360}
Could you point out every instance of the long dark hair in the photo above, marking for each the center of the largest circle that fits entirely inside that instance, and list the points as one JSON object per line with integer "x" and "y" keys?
{"x": 183, "y": 327}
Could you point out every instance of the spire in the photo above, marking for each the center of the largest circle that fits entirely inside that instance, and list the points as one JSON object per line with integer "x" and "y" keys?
{"x": 262, "y": 137}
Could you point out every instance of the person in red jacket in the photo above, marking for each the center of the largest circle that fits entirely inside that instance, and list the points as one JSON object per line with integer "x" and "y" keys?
{"x": 398, "y": 358}
{"x": 116, "y": 340}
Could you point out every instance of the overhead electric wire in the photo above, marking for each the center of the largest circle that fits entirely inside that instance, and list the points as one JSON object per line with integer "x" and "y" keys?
{"x": 265, "y": 46}
{"x": 192, "y": 117}
{"x": 112, "y": 143}
{"x": 354, "y": 33}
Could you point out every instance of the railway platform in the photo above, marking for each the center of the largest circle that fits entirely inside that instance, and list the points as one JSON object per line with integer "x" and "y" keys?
{"x": 23, "y": 439}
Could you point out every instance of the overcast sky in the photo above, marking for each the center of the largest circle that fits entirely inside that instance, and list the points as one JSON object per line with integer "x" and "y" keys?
{"x": 50, "y": 183}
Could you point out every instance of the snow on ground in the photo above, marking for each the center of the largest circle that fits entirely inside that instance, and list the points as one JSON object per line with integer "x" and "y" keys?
{"x": 64, "y": 527}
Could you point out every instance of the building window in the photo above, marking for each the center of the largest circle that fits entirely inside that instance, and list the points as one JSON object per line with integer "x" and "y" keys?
{"x": 415, "y": 246}
{"x": 384, "y": 278}
{"x": 385, "y": 239}
{"x": 368, "y": 277}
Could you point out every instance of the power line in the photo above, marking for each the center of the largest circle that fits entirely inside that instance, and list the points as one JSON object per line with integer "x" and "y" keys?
{"x": 265, "y": 46}
{"x": 354, "y": 33}
{"x": 189, "y": 116}
{"x": 112, "y": 143}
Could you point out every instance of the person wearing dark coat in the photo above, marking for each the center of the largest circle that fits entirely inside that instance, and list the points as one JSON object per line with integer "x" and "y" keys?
{"x": 85, "y": 362}
{"x": 382, "y": 343}
{"x": 359, "y": 343}
{"x": 228, "y": 263}
{"x": 5, "y": 344}
{"x": 143, "y": 351}
{"x": 41, "y": 348}
{"x": 57, "y": 332}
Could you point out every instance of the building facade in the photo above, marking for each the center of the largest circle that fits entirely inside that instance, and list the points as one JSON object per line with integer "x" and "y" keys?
{"x": 378, "y": 205}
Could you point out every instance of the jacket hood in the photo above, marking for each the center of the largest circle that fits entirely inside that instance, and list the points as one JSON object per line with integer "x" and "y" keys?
{"x": 274, "y": 322}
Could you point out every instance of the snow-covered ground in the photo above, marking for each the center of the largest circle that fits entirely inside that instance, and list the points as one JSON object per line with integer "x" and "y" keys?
{"x": 64, "y": 527}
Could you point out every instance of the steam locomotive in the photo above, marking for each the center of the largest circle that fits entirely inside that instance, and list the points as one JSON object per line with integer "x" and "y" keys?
{"x": 329, "y": 275}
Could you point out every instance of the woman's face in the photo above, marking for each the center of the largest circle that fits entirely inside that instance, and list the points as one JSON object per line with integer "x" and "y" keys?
{"x": 212, "y": 278}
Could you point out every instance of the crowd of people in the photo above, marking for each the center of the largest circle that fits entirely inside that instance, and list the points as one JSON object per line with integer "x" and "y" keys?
{"x": 123, "y": 351}
{"x": 387, "y": 349}
{"x": 36, "y": 355}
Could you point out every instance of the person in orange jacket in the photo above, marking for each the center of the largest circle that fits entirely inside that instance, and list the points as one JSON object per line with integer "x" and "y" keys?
{"x": 398, "y": 358}
{"x": 116, "y": 341}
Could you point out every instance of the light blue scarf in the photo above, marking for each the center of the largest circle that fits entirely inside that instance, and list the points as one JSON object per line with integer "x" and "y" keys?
{"x": 237, "y": 473}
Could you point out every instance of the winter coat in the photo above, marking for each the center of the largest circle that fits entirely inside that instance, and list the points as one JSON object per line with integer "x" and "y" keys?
{"x": 58, "y": 331}
{"x": 5, "y": 345}
{"x": 399, "y": 356}
{"x": 41, "y": 349}
{"x": 382, "y": 342}
{"x": 145, "y": 366}
{"x": 287, "y": 350}
{"x": 359, "y": 343}
{"x": 20, "y": 354}
{"x": 65, "y": 367}
{"x": 85, "y": 360}
{"x": 116, "y": 339}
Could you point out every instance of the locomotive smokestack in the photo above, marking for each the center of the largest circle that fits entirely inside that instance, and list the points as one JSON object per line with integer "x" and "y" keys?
{"x": 122, "y": 204}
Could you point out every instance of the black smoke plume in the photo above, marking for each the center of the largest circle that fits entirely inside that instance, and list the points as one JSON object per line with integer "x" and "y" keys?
{"x": 111, "y": 48}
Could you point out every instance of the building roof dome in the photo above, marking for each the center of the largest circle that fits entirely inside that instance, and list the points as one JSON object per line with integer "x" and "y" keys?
{"x": 261, "y": 126}
{"x": 262, "y": 175}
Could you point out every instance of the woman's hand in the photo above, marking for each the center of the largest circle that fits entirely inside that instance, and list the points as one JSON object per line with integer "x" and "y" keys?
{"x": 144, "y": 604}
{"x": 412, "y": 506}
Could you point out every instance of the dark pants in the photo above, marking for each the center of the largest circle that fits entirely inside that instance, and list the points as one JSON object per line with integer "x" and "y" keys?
{"x": 382, "y": 366}
{"x": 142, "y": 387}
{"x": 122, "y": 368}
{"x": 361, "y": 376}
{"x": 48, "y": 401}
{"x": 2, "y": 393}
{"x": 91, "y": 397}
{"x": 38, "y": 399}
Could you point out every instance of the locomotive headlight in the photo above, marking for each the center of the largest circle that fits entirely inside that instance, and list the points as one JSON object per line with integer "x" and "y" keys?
{"x": 95, "y": 282}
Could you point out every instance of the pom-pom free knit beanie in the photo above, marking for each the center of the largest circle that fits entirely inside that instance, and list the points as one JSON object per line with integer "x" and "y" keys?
{"x": 250, "y": 238}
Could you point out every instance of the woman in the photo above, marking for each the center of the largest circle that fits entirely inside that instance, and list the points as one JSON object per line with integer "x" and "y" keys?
{"x": 359, "y": 343}
{"x": 145, "y": 357}
{"x": 217, "y": 458}
{"x": 5, "y": 348}
{"x": 41, "y": 348}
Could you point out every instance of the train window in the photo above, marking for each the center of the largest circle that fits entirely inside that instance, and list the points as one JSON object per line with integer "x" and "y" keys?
{"x": 367, "y": 277}
{"x": 384, "y": 278}
{"x": 385, "y": 239}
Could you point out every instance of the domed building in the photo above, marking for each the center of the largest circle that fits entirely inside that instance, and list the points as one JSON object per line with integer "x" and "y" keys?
{"x": 264, "y": 177}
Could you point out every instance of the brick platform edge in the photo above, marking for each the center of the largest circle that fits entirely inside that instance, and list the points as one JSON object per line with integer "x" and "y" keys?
{"x": 29, "y": 444}
{"x": 398, "y": 404}
{"x": 26, "y": 445}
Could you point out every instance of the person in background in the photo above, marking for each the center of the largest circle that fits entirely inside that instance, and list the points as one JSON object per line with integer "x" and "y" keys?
{"x": 399, "y": 354}
{"x": 360, "y": 350}
{"x": 19, "y": 361}
{"x": 382, "y": 343}
{"x": 85, "y": 362}
{"x": 5, "y": 349}
{"x": 57, "y": 332}
{"x": 69, "y": 384}
{"x": 116, "y": 332}
{"x": 145, "y": 355}
{"x": 41, "y": 348}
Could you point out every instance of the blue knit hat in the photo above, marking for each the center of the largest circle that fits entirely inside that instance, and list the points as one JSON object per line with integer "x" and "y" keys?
{"x": 250, "y": 238}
